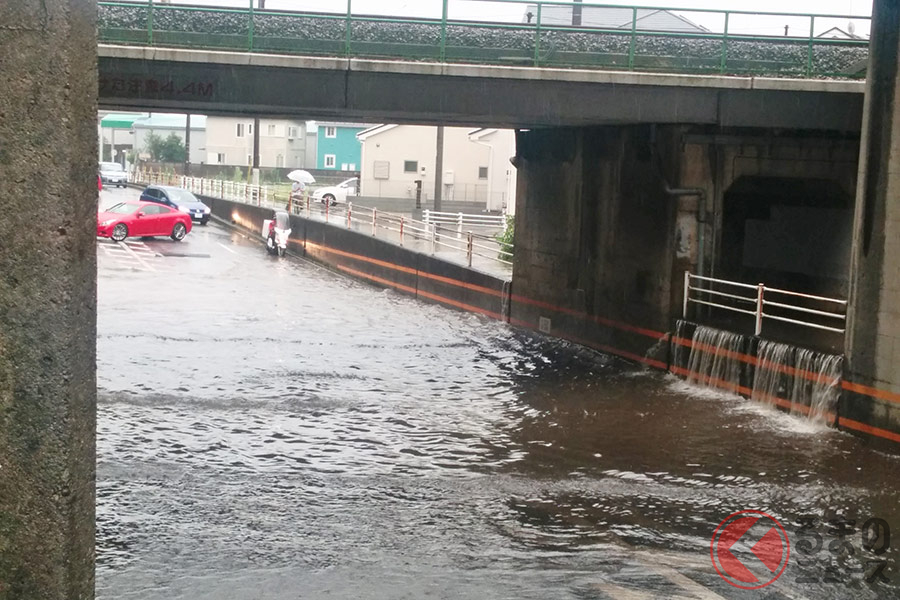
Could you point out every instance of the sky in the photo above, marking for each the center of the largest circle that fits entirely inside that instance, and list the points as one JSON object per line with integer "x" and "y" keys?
{"x": 513, "y": 10}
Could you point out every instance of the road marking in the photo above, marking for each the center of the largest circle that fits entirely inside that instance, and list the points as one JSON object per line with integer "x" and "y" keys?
{"x": 226, "y": 247}
{"x": 686, "y": 583}
{"x": 617, "y": 592}
{"x": 138, "y": 258}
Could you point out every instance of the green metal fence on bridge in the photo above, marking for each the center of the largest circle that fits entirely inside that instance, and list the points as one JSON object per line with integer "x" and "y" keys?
{"x": 522, "y": 34}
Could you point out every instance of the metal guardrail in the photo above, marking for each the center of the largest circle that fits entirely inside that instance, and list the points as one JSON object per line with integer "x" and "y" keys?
{"x": 462, "y": 219}
{"x": 526, "y": 34}
{"x": 753, "y": 302}
{"x": 400, "y": 229}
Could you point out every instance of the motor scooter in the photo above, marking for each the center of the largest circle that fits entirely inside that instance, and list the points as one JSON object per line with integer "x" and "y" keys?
{"x": 277, "y": 231}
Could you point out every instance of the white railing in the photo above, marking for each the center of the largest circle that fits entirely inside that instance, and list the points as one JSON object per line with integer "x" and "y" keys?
{"x": 744, "y": 298}
{"x": 404, "y": 230}
{"x": 461, "y": 220}
{"x": 435, "y": 233}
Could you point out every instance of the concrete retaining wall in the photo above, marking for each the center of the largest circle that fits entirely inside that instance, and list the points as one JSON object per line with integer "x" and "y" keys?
{"x": 381, "y": 263}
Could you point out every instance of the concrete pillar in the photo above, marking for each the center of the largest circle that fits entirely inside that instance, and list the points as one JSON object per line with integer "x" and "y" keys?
{"x": 48, "y": 202}
{"x": 873, "y": 336}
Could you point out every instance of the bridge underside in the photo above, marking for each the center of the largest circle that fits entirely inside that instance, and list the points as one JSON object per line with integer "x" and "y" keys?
{"x": 212, "y": 82}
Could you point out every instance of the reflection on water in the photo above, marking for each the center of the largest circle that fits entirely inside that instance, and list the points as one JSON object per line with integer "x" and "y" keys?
{"x": 382, "y": 448}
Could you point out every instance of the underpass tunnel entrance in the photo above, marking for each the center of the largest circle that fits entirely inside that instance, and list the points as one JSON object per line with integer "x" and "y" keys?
{"x": 791, "y": 233}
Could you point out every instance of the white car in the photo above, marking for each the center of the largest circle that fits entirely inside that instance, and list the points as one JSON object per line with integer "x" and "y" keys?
{"x": 113, "y": 173}
{"x": 337, "y": 193}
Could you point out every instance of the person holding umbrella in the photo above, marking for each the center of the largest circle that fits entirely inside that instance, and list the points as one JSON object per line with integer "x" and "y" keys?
{"x": 301, "y": 179}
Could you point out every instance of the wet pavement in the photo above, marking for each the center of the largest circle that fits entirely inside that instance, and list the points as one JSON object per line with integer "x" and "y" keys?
{"x": 270, "y": 429}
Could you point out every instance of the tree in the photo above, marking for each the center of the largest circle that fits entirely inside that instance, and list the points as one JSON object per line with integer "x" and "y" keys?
{"x": 170, "y": 149}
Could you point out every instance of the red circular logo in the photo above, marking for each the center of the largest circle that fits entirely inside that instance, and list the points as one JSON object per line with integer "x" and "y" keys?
{"x": 750, "y": 549}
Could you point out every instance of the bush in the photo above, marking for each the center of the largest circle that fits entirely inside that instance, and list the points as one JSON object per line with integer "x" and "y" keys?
{"x": 506, "y": 237}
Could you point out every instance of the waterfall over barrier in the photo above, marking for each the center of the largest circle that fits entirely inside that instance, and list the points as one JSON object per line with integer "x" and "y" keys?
{"x": 799, "y": 380}
{"x": 712, "y": 360}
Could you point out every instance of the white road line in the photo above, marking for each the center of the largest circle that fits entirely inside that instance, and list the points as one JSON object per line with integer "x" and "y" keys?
{"x": 138, "y": 258}
{"x": 226, "y": 247}
{"x": 686, "y": 583}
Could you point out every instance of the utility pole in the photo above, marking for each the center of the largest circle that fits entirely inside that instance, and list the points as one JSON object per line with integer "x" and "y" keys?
{"x": 260, "y": 4}
{"x": 187, "y": 144}
{"x": 576, "y": 13}
{"x": 439, "y": 168}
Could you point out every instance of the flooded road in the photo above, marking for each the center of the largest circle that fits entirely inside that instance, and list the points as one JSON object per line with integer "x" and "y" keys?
{"x": 269, "y": 429}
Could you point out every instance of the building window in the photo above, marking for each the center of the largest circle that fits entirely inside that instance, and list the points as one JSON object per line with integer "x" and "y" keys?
{"x": 270, "y": 131}
{"x": 239, "y": 130}
{"x": 279, "y": 161}
{"x": 331, "y": 132}
{"x": 482, "y": 173}
{"x": 330, "y": 161}
{"x": 250, "y": 128}
{"x": 220, "y": 158}
{"x": 410, "y": 166}
{"x": 381, "y": 170}
{"x": 291, "y": 132}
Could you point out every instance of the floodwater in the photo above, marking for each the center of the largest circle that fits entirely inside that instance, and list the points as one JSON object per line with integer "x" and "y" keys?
{"x": 270, "y": 429}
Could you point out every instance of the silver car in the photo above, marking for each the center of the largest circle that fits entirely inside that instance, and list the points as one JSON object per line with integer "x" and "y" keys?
{"x": 113, "y": 173}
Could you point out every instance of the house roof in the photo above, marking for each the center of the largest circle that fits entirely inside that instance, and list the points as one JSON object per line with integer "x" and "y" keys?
{"x": 648, "y": 19}
{"x": 169, "y": 121}
{"x": 838, "y": 33}
{"x": 477, "y": 134}
{"x": 372, "y": 131}
{"x": 343, "y": 124}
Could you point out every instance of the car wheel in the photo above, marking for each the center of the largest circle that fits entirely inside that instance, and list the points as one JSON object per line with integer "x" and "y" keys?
{"x": 204, "y": 221}
{"x": 328, "y": 198}
{"x": 119, "y": 232}
{"x": 178, "y": 232}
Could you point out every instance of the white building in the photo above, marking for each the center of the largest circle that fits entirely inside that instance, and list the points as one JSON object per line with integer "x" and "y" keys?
{"x": 283, "y": 143}
{"x": 476, "y": 164}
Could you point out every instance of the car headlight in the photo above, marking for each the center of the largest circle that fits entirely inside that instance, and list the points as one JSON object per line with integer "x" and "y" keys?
{"x": 206, "y": 210}
{"x": 184, "y": 209}
{"x": 107, "y": 222}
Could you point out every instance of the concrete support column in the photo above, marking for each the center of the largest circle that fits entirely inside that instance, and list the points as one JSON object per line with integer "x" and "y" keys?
{"x": 48, "y": 199}
{"x": 873, "y": 336}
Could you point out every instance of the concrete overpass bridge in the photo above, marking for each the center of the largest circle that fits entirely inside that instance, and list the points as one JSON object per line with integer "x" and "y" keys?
{"x": 475, "y": 72}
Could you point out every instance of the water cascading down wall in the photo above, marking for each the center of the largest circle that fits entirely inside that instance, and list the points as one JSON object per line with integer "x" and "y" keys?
{"x": 801, "y": 381}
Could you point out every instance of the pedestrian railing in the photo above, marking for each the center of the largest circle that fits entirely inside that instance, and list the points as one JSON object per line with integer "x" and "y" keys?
{"x": 762, "y": 302}
{"x": 514, "y": 33}
{"x": 461, "y": 220}
{"x": 404, "y": 230}
{"x": 428, "y": 236}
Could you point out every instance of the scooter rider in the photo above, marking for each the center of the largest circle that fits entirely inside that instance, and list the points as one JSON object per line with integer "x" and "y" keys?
{"x": 279, "y": 230}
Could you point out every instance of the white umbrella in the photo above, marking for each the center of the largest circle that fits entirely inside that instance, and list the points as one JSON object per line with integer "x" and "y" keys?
{"x": 301, "y": 176}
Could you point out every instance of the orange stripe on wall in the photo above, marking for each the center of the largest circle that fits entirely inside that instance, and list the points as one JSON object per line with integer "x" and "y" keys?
{"x": 360, "y": 257}
{"x": 870, "y": 391}
{"x": 876, "y": 431}
{"x": 462, "y": 284}
{"x": 416, "y": 292}
{"x": 753, "y": 360}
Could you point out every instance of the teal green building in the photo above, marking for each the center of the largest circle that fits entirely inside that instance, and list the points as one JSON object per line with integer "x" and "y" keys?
{"x": 337, "y": 146}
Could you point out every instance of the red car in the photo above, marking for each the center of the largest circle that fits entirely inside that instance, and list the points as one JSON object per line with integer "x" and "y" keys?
{"x": 142, "y": 219}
